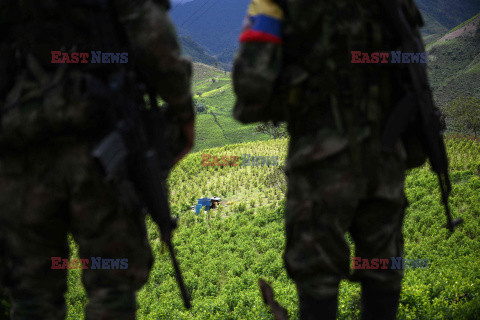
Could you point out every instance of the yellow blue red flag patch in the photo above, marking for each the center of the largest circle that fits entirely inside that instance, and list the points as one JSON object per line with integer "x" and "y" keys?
{"x": 263, "y": 22}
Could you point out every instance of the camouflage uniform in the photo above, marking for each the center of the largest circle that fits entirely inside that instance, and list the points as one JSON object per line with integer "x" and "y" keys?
{"x": 53, "y": 114}
{"x": 340, "y": 179}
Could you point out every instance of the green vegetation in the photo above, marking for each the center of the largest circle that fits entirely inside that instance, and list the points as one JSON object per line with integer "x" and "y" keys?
{"x": 225, "y": 251}
{"x": 454, "y": 64}
{"x": 212, "y": 88}
{"x": 463, "y": 114}
{"x": 203, "y": 73}
{"x": 275, "y": 131}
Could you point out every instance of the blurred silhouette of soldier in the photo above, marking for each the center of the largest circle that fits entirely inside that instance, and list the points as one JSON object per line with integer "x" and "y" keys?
{"x": 53, "y": 114}
{"x": 296, "y": 64}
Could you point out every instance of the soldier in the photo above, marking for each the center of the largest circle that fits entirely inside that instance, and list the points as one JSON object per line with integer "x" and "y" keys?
{"x": 295, "y": 64}
{"x": 53, "y": 114}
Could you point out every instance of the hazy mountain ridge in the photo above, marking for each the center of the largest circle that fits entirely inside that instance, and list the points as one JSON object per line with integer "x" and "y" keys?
{"x": 216, "y": 25}
{"x": 199, "y": 54}
{"x": 432, "y": 29}
{"x": 449, "y": 13}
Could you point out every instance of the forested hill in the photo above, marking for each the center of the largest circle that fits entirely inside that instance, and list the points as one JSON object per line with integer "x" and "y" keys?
{"x": 443, "y": 15}
{"x": 199, "y": 54}
{"x": 454, "y": 62}
{"x": 449, "y": 13}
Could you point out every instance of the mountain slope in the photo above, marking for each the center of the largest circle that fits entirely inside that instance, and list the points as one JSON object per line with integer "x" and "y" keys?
{"x": 449, "y": 13}
{"x": 199, "y": 54}
{"x": 195, "y": 51}
{"x": 432, "y": 30}
{"x": 442, "y": 15}
{"x": 454, "y": 62}
{"x": 216, "y": 127}
{"x": 214, "y": 24}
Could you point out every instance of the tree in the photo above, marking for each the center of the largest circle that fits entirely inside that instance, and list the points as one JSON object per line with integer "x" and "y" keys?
{"x": 464, "y": 114}
{"x": 200, "y": 107}
{"x": 276, "y": 131}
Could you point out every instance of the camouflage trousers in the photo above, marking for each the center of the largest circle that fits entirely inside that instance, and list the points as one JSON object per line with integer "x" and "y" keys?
{"x": 332, "y": 196}
{"x": 46, "y": 193}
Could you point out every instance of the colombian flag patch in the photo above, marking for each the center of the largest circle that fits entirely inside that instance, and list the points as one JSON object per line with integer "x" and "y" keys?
{"x": 263, "y": 22}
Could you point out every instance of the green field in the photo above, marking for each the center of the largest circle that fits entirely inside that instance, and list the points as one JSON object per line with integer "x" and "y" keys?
{"x": 224, "y": 252}
{"x": 217, "y": 127}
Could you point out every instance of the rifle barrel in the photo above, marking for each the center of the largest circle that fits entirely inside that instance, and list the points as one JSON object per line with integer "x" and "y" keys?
{"x": 178, "y": 275}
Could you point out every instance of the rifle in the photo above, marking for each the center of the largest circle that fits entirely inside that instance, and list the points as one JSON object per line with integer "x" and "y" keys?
{"x": 127, "y": 152}
{"x": 418, "y": 105}
{"x": 130, "y": 150}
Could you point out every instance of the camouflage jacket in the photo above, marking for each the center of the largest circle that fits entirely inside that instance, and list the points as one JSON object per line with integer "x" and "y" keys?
{"x": 41, "y": 95}
{"x": 295, "y": 64}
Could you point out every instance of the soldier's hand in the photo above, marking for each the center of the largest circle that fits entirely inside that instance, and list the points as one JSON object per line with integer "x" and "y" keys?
{"x": 188, "y": 130}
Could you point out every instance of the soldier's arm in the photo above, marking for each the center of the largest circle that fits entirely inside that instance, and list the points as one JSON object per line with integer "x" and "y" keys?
{"x": 157, "y": 52}
{"x": 258, "y": 61}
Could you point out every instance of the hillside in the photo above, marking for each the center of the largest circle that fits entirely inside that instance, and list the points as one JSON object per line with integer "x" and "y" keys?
{"x": 216, "y": 127}
{"x": 454, "y": 62}
{"x": 214, "y": 24}
{"x": 449, "y": 13}
{"x": 197, "y": 53}
{"x": 225, "y": 251}
{"x": 432, "y": 29}
{"x": 443, "y": 15}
